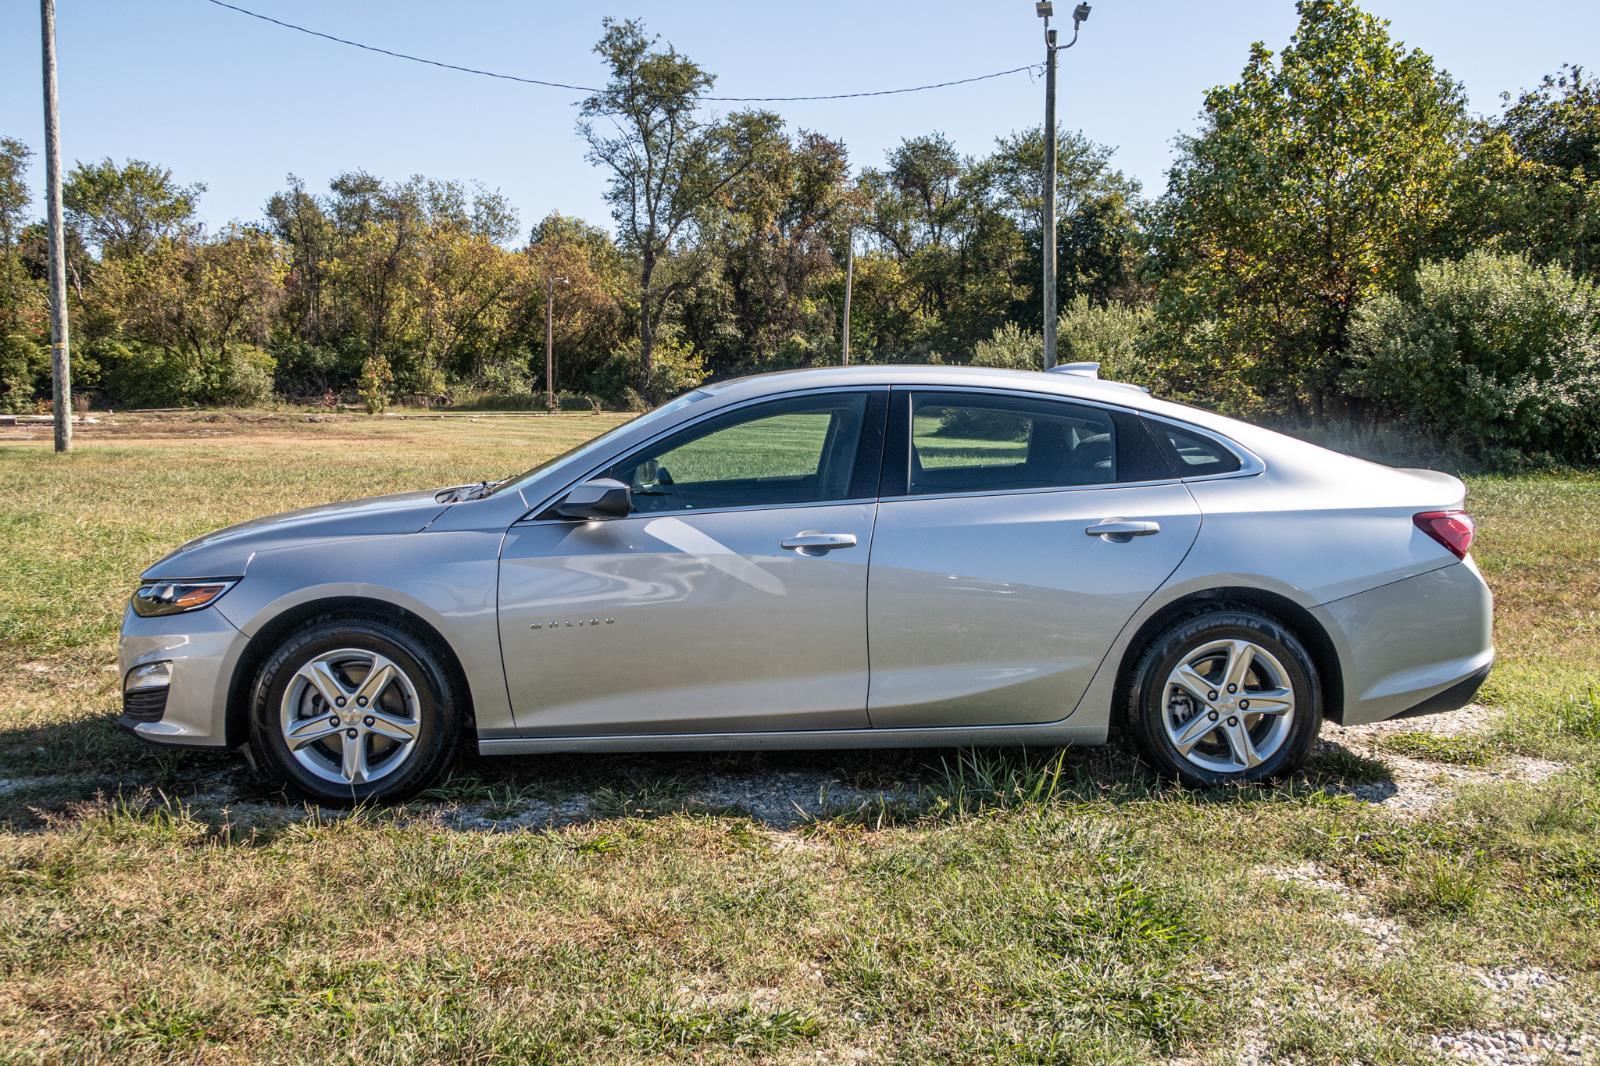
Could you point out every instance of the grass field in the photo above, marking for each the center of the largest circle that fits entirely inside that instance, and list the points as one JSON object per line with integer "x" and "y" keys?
{"x": 1418, "y": 893}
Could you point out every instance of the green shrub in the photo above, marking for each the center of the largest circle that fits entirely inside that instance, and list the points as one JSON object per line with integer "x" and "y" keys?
{"x": 376, "y": 385}
{"x": 133, "y": 374}
{"x": 508, "y": 378}
{"x": 1492, "y": 352}
{"x": 1010, "y": 347}
{"x": 677, "y": 367}
{"x": 24, "y": 372}
{"x": 242, "y": 378}
{"x": 1111, "y": 335}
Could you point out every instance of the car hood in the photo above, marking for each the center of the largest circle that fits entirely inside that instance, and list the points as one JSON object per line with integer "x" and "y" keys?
{"x": 227, "y": 552}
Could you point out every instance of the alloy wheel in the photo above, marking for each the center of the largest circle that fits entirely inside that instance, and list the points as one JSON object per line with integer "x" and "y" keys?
{"x": 350, "y": 716}
{"x": 1228, "y": 706}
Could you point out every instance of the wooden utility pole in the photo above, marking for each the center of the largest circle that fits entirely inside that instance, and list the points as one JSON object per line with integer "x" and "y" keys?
{"x": 60, "y": 357}
{"x": 1048, "y": 241}
{"x": 849, "y": 283}
{"x": 1048, "y": 233}
{"x": 550, "y": 341}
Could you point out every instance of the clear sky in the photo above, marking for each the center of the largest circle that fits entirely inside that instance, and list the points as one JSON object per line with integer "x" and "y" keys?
{"x": 238, "y": 104}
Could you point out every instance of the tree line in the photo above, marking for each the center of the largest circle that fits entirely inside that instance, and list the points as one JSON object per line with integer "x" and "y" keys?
{"x": 1339, "y": 238}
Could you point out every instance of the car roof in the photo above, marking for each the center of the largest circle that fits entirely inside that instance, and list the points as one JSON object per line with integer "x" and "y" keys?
{"x": 964, "y": 377}
{"x": 1067, "y": 386}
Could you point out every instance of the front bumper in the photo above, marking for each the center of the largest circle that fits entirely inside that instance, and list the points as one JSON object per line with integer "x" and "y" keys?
{"x": 203, "y": 648}
{"x": 1418, "y": 646}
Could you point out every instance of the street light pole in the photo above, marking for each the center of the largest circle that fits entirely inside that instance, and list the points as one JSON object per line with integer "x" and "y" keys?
{"x": 1048, "y": 242}
{"x": 60, "y": 354}
{"x": 550, "y": 341}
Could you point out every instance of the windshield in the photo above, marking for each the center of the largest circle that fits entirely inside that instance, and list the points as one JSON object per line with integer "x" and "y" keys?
{"x": 597, "y": 443}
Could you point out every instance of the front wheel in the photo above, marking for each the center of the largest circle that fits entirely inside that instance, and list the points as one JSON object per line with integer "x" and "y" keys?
{"x": 1223, "y": 697}
{"x": 352, "y": 710}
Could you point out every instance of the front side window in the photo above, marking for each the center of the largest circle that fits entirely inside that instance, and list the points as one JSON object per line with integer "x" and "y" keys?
{"x": 974, "y": 442}
{"x": 794, "y": 451}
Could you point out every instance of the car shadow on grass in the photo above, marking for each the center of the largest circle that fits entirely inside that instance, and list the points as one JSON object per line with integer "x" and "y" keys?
{"x": 55, "y": 773}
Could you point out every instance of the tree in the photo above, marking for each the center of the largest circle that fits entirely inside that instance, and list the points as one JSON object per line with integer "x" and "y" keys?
{"x": 666, "y": 164}
{"x": 123, "y": 211}
{"x": 772, "y": 232}
{"x": 206, "y": 304}
{"x": 1100, "y": 243}
{"x": 1320, "y": 178}
{"x": 23, "y": 359}
{"x": 1536, "y": 174}
{"x": 958, "y": 249}
{"x": 589, "y": 317}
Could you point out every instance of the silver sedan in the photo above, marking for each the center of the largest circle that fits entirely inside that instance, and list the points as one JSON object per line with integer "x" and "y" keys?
{"x": 841, "y": 558}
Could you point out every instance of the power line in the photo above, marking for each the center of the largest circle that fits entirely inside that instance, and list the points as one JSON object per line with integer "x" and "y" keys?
{"x": 592, "y": 89}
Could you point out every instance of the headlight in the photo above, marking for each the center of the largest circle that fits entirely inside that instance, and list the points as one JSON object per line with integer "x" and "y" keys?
{"x": 175, "y": 597}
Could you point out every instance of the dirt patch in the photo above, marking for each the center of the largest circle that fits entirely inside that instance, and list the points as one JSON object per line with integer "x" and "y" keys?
{"x": 1418, "y": 785}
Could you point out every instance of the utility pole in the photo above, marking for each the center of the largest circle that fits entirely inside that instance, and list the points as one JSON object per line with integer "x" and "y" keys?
{"x": 60, "y": 358}
{"x": 1048, "y": 241}
{"x": 550, "y": 341}
{"x": 849, "y": 283}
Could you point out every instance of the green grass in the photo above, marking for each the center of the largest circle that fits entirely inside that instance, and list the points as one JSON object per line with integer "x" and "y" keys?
{"x": 1454, "y": 750}
{"x": 945, "y": 906}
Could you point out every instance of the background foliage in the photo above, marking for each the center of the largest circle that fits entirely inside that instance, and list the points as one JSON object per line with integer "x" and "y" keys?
{"x": 1339, "y": 239}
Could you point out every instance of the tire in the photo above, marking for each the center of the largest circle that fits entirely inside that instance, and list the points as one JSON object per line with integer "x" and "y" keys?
{"x": 385, "y": 742}
{"x": 1213, "y": 737}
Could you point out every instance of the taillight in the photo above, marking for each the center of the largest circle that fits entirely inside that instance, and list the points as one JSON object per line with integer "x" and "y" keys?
{"x": 1453, "y": 529}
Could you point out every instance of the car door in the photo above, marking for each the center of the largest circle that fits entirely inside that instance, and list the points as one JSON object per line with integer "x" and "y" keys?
{"x": 1017, "y": 534}
{"x": 732, "y": 598}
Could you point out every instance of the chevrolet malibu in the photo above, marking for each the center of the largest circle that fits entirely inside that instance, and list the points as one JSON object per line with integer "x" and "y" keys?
{"x": 840, "y": 558}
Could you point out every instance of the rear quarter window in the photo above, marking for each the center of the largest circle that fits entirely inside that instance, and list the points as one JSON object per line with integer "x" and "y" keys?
{"x": 1193, "y": 454}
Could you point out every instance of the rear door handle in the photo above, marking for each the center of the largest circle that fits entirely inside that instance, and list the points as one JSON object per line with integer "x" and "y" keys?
{"x": 814, "y": 542}
{"x": 1122, "y": 530}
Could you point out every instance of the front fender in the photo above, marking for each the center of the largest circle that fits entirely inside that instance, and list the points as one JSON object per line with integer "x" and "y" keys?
{"x": 447, "y": 579}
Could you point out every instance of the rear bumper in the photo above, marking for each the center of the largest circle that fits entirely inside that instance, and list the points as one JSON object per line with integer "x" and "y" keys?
{"x": 1418, "y": 646}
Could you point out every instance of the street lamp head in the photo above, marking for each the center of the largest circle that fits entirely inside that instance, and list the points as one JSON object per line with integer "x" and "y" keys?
{"x": 1044, "y": 9}
{"x": 1080, "y": 15}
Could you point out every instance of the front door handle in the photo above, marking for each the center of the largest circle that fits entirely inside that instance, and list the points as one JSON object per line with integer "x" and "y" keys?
{"x": 814, "y": 542}
{"x": 1122, "y": 530}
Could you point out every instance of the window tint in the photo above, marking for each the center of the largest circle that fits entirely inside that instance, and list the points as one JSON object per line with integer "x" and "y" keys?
{"x": 801, "y": 450}
{"x": 1192, "y": 454}
{"x": 974, "y": 442}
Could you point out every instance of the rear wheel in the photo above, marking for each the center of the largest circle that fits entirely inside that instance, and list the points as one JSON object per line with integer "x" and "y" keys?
{"x": 349, "y": 710}
{"x": 1226, "y": 696}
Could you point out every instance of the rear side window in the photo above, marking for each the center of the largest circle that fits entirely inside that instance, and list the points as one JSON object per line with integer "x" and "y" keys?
{"x": 1193, "y": 454}
{"x": 974, "y": 442}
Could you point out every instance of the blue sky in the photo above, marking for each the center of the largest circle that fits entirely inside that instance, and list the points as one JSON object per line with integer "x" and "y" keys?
{"x": 238, "y": 104}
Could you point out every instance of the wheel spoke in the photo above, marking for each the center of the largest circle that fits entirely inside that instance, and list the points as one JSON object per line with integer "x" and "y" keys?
{"x": 1241, "y": 654}
{"x": 1271, "y": 701}
{"x": 383, "y": 671}
{"x": 1194, "y": 729}
{"x": 311, "y": 730}
{"x": 354, "y": 764}
{"x": 322, "y": 678}
{"x": 1186, "y": 677}
{"x": 392, "y": 727}
{"x": 1244, "y": 751}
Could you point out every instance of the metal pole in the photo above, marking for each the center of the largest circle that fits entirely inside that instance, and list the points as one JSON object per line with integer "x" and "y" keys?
{"x": 849, "y": 283}
{"x": 1048, "y": 233}
{"x": 550, "y": 343}
{"x": 60, "y": 356}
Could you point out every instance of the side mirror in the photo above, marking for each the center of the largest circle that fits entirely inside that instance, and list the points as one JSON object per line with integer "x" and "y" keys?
{"x": 601, "y": 498}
